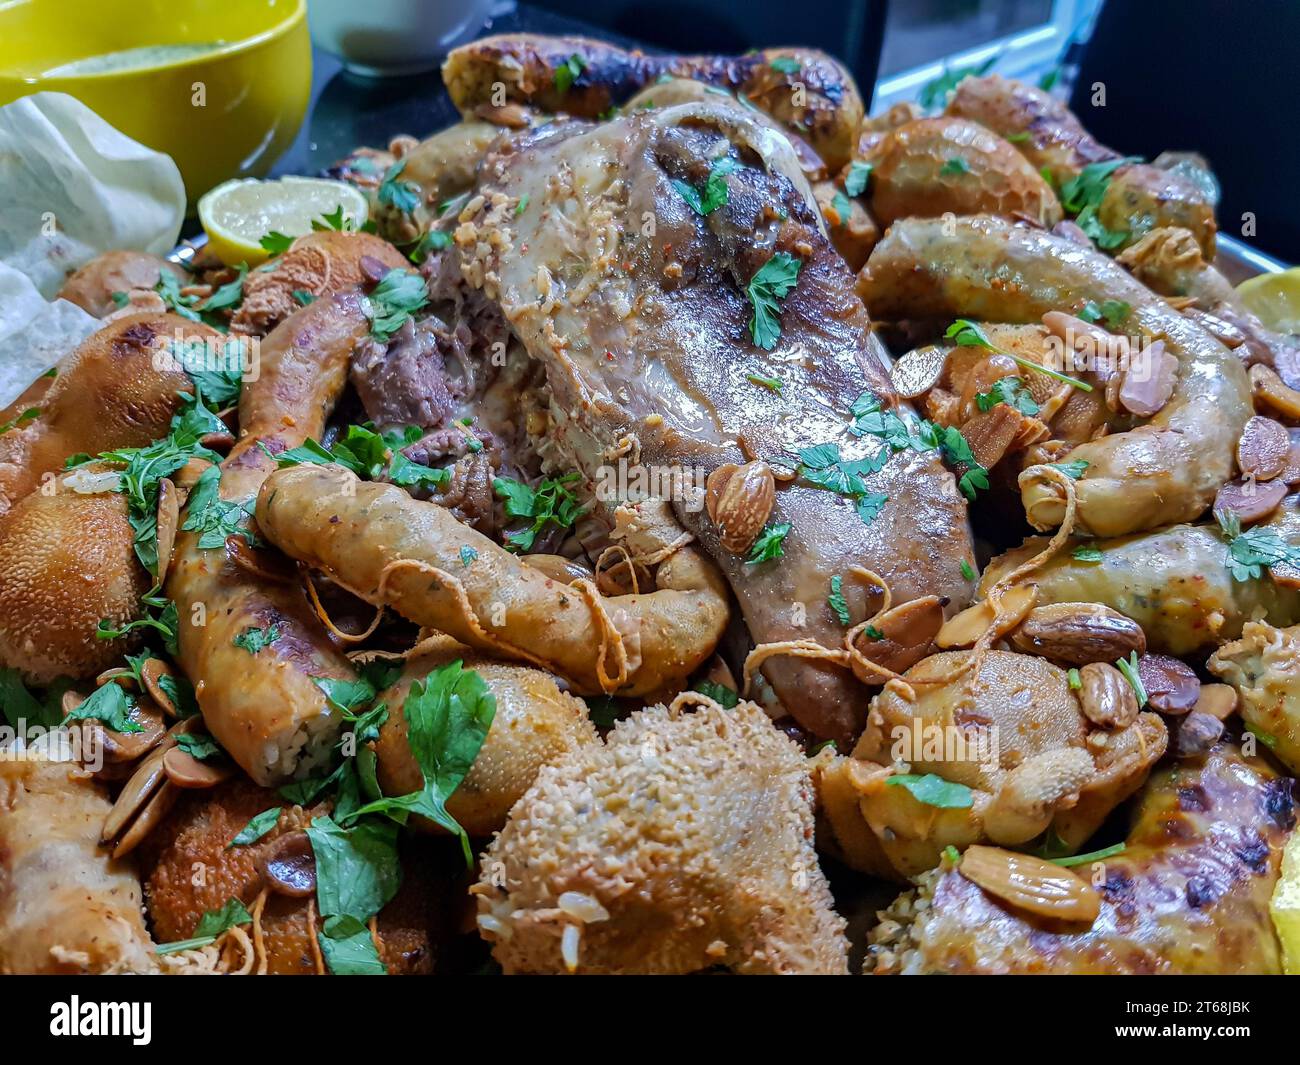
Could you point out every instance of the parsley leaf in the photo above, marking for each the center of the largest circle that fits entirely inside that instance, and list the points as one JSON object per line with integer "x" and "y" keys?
{"x": 768, "y": 544}
{"x": 1082, "y": 196}
{"x": 211, "y": 925}
{"x": 393, "y": 301}
{"x": 725, "y": 697}
{"x": 935, "y": 93}
{"x": 467, "y": 555}
{"x": 213, "y": 518}
{"x": 968, "y": 571}
{"x": 713, "y": 193}
{"x": 198, "y": 746}
{"x": 110, "y": 704}
{"x": 568, "y": 72}
{"x": 435, "y": 240}
{"x": 256, "y": 828}
{"x": 785, "y": 65}
{"x": 1012, "y": 392}
{"x": 967, "y": 334}
{"x": 1073, "y": 469}
{"x": 774, "y": 281}
{"x": 276, "y": 243}
{"x": 402, "y": 196}
{"x": 1112, "y": 311}
{"x": 1086, "y": 553}
{"x": 955, "y": 165}
{"x": 855, "y": 181}
{"x": 253, "y": 639}
{"x": 550, "y": 502}
{"x": 934, "y": 790}
{"x": 335, "y": 220}
{"x": 448, "y": 715}
{"x": 836, "y": 600}
{"x": 1254, "y": 550}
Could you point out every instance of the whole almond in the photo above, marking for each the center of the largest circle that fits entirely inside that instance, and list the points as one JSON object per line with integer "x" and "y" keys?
{"x": 1107, "y": 699}
{"x": 739, "y": 500}
{"x": 1079, "y": 633}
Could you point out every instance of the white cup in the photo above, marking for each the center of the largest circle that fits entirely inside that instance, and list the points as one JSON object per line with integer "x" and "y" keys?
{"x": 379, "y": 37}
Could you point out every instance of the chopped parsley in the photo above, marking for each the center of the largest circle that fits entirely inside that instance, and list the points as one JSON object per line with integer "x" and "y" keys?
{"x": 335, "y": 220}
{"x": 211, "y": 925}
{"x": 393, "y": 301}
{"x": 934, "y": 790}
{"x": 522, "y": 205}
{"x": 401, "y": 196}
{"x": 467, "y": 555}
{"x": 434, "y": 240}
{"x": 823, "y": 467}
{"x": 774, "y": 281}
{"x": 110, "y": 704}
{"x": 842, "y": 207}
{"x": 725, "y": 697}
{"x": 855, "y": 181}
{"x": 257, "y": 828}
{"x": 1254, "y": 550}
{"x": 25, "y": 416}
{"x": 1113, "y": 312}
{"x": 1010, "y": 391}
{"x": 1086, "y": 553}
{"x": 276, "y": 243}
{"x": 213, "y": 518}
{"x": 707, "y": 198}
{"x": 198, "y": 746}
{"x": 550, "y": 502}
{"x": 871, "y": 419}
{"x": 448, "y": 715}
{"x": 568, "y": 72}
{"x": 785, "y": 65}
{"x": 1074, "y": 469}
{"x": 1073, "y": 678}
{"x": 253, "y": 639}
{"x": 968, "y": 571}
{"x": 836, "y": 600}
{"x": 768, "y": 545}
{"x": 935, "y": 93}
{"x": 772, "y": 384}
{"x": 955, "y": 165}
{"x": 1082, "y": 195}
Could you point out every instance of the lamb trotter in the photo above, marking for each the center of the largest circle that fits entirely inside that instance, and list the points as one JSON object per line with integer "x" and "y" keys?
{"x": 636, "y": 305}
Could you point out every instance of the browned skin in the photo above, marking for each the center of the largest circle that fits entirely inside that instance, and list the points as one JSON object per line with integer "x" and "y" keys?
{"x": 197, "y": 834}
{"x": 1162, "y": 471}
{"x": 107, "y": 395}
{"x": 325, "y": 261}
{"x": 526, "y": 63}
{"x": 676, "y": 373}
{"x": 1140, "y": 196}
{"x": 354, "y": 530}
{"x": 65, "y": 906}
{"x": 1170, "y": 262}
{"x": 66, "y": 562}
{"x": 935, "y": 165}
{"x": 1188, "y": 895}
{"x": 92, "y": 287}
{"x": 251, "y": 701}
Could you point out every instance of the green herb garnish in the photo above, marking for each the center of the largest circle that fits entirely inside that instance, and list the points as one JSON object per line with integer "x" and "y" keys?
{"x": 774, "y": 281}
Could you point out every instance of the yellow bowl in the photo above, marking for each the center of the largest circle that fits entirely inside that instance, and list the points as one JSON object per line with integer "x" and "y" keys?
{"x": 224, "y": 96}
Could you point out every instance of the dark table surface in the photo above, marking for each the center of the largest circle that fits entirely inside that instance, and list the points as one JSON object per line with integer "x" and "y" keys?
{"x": 348, "y": 110}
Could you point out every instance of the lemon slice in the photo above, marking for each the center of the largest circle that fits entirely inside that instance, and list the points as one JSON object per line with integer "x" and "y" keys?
{"x": 1275, "y": 298}
{"x": 238, "y": 214}
{"x": 1285, "y": 906}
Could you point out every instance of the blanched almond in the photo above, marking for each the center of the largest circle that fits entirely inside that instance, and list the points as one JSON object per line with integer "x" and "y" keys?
{"x": 1270, "y": 392}
{"x": 991, "y": 433}
{"x": 908, "y": 631}
{"x": 1149, "y": 381}
{"x": 1031, "y": 884}
{"x": 739, "y": 500}
{"x": 1217, "y": 700}
{"x": 1263, "y": 449}
{"x": 1251, "y": 501}
{"x": 964, "y": 629}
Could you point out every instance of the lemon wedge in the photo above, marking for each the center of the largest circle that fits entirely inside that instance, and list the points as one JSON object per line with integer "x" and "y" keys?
{"x": 1285, "y": 906}
{"x": 1275, "y": 298}
{"x": 238, "y": 214}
